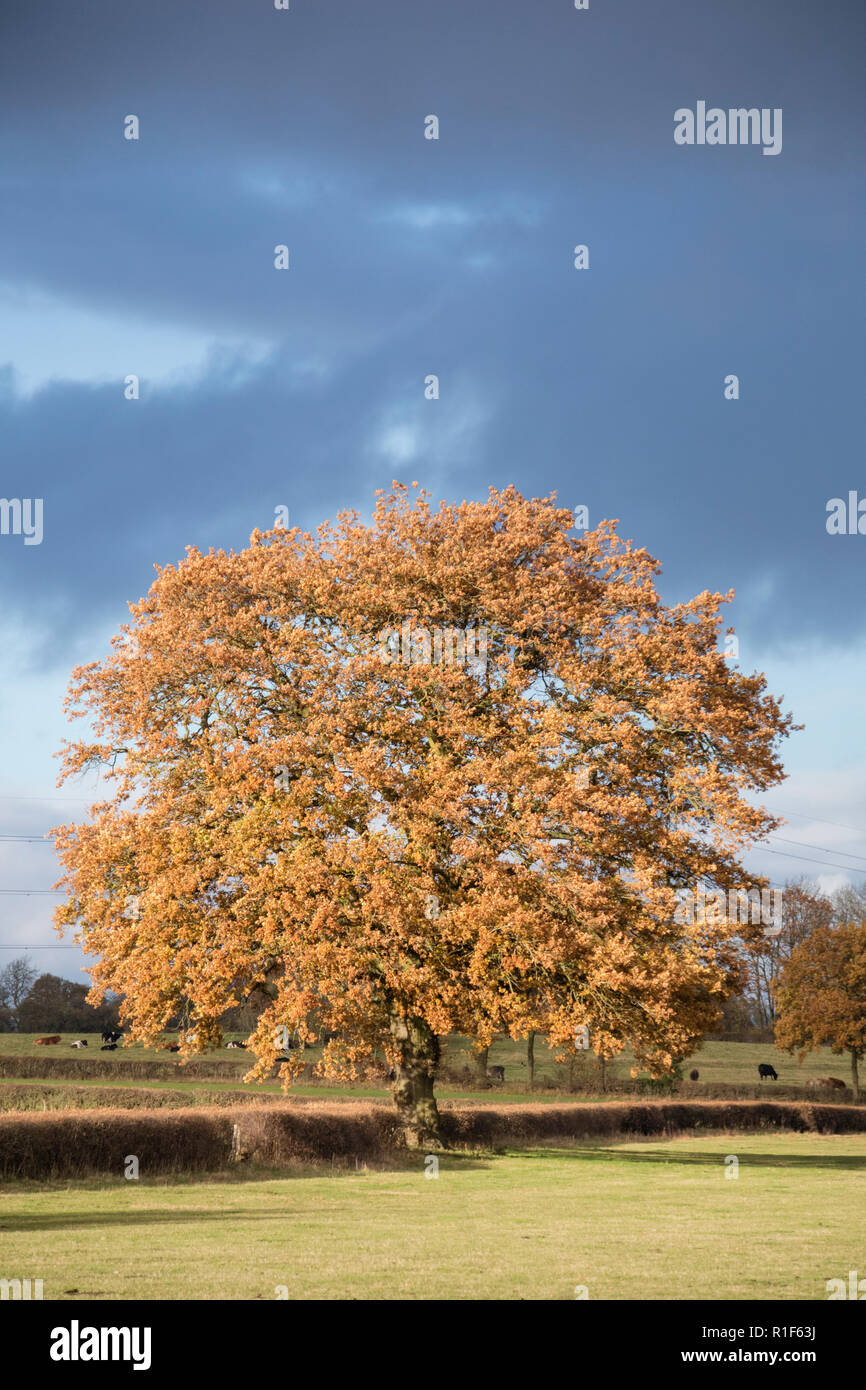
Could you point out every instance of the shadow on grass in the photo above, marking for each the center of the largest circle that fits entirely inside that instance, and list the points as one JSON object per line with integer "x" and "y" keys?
{"x": 241, "y": 1175}
{"x": 686, "y": 1158}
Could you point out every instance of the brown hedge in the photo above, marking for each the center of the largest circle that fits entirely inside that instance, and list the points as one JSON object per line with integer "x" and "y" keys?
{"x": 73, "y": 1144}
{"x": 521, "y": 1124}
{"x": 33, "y": 1096}
{"x": 86, "y": 1068}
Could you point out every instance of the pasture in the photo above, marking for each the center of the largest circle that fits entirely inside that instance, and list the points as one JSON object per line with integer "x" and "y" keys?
{"x": 646, "y": 1220}
{"x": 625, "y": 1217}
{"x": 218, "y": 1075}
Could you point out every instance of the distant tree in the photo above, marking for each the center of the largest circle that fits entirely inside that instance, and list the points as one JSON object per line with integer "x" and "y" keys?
{"x": 58, "y": 1005}
{"x": 739, "y": 1015}
{"x": 803, "y": 910}
{"x": 821, "y": 995}
{"x": 849, "y": 903}
{"x": 16, "y": 979}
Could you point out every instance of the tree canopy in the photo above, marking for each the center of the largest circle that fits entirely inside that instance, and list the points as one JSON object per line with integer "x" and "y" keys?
{"x": 390, "y": 842}
{"x": 821, "y": 995}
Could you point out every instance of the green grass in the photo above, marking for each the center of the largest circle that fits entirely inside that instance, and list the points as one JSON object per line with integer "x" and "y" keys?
{"x": 734, "y": 1064}
{"x": 727, "y": 1064}
{"x": 651, "y": 1220}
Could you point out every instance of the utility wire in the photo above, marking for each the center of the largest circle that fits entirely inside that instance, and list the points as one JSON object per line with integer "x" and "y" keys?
{"x": 846, "y": 868}
{"x": 801, "y": 844}
{"x": 801, "y": 815}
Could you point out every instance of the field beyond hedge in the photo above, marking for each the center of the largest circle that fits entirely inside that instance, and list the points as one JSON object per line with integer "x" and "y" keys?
{"x": 727, "y": 1070}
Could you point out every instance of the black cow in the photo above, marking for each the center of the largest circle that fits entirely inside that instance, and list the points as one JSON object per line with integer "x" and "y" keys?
{"x": 765, "y": 1070}
{"x": 111, "y": 1037}
{"x": 496, "y": 1073}
{"x": 108, "y": 1047}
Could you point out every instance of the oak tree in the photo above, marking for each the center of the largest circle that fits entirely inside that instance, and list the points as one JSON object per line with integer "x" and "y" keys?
{"x": 440, "y": 771}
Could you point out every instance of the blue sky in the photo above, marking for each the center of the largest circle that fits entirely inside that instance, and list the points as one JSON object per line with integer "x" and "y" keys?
{"x": 305, "y": 388}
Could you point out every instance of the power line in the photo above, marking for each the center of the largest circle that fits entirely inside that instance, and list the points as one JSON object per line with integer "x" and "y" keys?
{"x": 846, "y": 868}
{"x": 803, "y": 845}
{"x": 29, "y": 892}
{"x": 801, "y": 815}
{"x": 31, "y": 839}
{"x": 4, "y": 796}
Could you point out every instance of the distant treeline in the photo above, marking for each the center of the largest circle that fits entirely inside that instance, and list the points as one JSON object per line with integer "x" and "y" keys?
{"x": 34, "y": 1003}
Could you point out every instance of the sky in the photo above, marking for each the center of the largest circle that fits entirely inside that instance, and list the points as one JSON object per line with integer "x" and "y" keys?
{"x": 304, "y": 388}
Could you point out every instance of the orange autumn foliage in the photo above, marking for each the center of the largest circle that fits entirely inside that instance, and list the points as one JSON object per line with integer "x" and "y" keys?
{"x": 392, "y": 851}
{"x": 821, "y": 995}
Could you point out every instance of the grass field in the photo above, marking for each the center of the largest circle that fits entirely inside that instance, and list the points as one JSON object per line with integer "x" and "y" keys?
{"x": 646, "y": 1220}
{"x": 719, "y": 1063}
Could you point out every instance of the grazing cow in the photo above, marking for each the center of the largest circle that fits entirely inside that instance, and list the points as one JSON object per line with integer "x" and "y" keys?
{"x": 765, "y": 1070}
{"x": 108, "y": 1047}
{"x": 832, "y": 1083}
{"x": 693, "y": 1075}
{"x": 111, "y": 1037}
{"x": 496, "y": 1073}
{"x": 82, "y": 1042}
{"x": 47, "y": 1042}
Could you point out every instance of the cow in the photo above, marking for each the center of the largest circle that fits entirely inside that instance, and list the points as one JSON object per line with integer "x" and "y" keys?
{"x": 108, "y": 1047}
{"x": 235, "y": 1044}
{"x": 496, "y": 1073}
{"x": 47, "y": 1042}
{"x": 693, "y": 1075}
{"x": 835, "y": 1083}
{"x": 765, "y": 1070}
{"x": 82, "y": 1042}
{"x": 111, "y": 1036}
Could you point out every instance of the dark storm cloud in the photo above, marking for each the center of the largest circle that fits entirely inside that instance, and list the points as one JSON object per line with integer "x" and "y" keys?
{"x": 454, "y": 257}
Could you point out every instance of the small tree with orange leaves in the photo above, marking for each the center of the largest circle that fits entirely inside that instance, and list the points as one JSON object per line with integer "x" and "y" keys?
{"x": 318, "y": 801}
{"x": 821, "y": 995}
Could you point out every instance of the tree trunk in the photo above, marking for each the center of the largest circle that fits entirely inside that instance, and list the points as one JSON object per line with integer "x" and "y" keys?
{"x": 417, "y": 1049}
{"x": 480, "y": 1063}
{"x": 530, "y": 1058}
{"x": 855, "y": 1079}
{"x": 603, "y": 1061}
